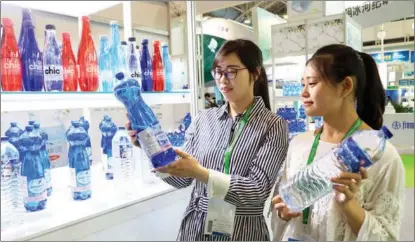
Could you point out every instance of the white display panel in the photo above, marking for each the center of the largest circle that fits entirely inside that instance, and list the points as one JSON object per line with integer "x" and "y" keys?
{"x": 289, "y": 40}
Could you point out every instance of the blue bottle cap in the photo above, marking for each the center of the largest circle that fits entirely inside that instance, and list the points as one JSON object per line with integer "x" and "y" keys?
{"x": 119, "y": 76}
{"x": 121, "y": 128}
{"x": 145, "y": 41}
{"x": 13, "y": 124}
{"x": 4, "y": 138}
{"x": 388, "y": 134}
{"x": 29, "y": 128}
{"x": 36, "y": 125}
{"x": 31, "y": 122}
{"x": 75, "y": 124}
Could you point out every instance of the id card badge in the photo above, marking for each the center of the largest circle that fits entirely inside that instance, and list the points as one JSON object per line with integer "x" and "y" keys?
{"x": 220, "y": 218}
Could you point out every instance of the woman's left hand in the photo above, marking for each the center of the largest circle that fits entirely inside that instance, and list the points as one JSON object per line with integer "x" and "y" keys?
{"x": 347, "y": 185}
{"x": 186, "y": 166}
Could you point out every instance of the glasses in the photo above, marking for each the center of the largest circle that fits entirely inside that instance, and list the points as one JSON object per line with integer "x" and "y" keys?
{"x": 230, "y": 73}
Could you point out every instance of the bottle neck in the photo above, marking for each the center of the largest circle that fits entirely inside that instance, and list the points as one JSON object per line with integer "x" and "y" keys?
{"x": 8, "y": 32}
{"x": 103, "y": 46}
{"x": 86, "y": 29}
{"x": 131, "y": 48}
{"x": 50, "y": 35}
{"x": 29, "y": 32}
{"x": 66, "y": 45}
{"x": 115, "y": 35}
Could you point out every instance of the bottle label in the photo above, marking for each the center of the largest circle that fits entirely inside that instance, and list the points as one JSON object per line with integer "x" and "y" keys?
{"x": 69, "y": 72}
{"x": 149, "y": 142}
{"x": 135, "y": 75}
{"x": 148, "y": 73}
{"x": 48, "y": 178}
{"x": 11, "y": 66}
{"x": 36, "y": 68}
{"x": 123, "y": 151}
{"x": 92, "y": 69}
{"x": 81, "y": 181}
{"x": 36, "y": 190}
{"x": 53, "y": 72}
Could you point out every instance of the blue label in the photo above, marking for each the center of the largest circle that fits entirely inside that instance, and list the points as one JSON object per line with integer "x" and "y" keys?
{"x": 352, "y": 156}
{"x": 83, "y": 178}
{"x": 36, "y": 187}
{"x": 402, "y": 55}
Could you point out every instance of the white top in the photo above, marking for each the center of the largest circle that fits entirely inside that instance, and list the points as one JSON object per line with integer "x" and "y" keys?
{"x": 381, "y": 195}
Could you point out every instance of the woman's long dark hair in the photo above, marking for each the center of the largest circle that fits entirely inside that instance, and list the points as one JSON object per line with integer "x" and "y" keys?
{"x": 335, "y": 62}
{"x": 251, "y": 56}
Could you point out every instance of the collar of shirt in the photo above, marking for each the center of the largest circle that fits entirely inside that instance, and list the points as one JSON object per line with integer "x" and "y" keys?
{"x": 223, "y": 112}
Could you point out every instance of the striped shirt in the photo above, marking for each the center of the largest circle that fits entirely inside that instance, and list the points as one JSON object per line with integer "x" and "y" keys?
{"x": 258, "y": 155}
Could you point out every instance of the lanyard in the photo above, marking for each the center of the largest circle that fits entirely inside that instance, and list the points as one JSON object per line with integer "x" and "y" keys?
{"x": 228, "y": 152}
{"x": 355, "y": 127}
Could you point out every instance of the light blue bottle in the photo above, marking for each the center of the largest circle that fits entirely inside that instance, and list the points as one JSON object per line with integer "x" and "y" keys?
{"x": 134, "y": 69}
{"x": 114, "y": 50}
{"x": 13, "y": 133}
{"x": 52, "y": 62}
{"x": 104, "y": 65}
{"x": 167, "y": 68}
{"x": 362, "y": 149}
{"x": 85, "y": 124}
{"x": 34, "y": 182}
{"x": 45, "y": 157}
{"x": 79, "y": 162}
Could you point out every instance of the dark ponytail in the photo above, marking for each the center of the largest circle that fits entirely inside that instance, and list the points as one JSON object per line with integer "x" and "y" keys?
{"x": 372, "y": 101}
{"x": 251, "y": 56}
{"x": 336, "y": 62}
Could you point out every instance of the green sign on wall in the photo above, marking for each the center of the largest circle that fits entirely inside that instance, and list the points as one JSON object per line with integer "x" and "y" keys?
{"x": 211, "y": 45}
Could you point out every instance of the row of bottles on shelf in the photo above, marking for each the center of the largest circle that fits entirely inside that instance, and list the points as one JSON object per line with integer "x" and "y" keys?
{"x": 290, "y": 88}
{"x": 26, "y": 179}
{"x": 25, "y": 68}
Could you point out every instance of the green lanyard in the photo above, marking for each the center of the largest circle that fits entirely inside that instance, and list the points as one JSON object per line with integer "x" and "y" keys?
{"x": 313, "y": 151}
{"x": 228, "y": 152}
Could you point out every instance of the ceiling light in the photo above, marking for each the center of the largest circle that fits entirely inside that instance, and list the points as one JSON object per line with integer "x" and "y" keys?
{"x": 247, "y": 21}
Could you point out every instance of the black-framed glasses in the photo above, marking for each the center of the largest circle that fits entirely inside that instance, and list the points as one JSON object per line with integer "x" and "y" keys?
{"x": 230, "y": 73}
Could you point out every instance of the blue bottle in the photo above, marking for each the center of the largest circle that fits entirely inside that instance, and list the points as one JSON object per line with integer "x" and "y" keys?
{"x": 134, "y": 69}
{"x": 45, "y": 157}
{"x": 79, "y": 162}
{"x": 167, "y": 69}
{"x": 34, "y": 181}
{"x": 26, "y": 15}
{"x": 52, "y": 62}
{"x": 85, "y": 124}
{"x": 104, "y": 65}
{"x": 13, "y": 133}
{"x": 146, "y": 68}
{"x": 32, "y": 60}
{"x": 114, "y": 50}
{"x": 108, "y": 130}
{"x": 152, "y": 139}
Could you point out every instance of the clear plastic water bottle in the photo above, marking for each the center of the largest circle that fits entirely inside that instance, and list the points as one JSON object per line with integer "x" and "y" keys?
{"x": 122, "y": 155}
{"x": 52, "y": 61}
{"x": 11, "y": 183}
{"x": 153, "y": 140}
{"x": 34, "y": 182}
{"x": 168, "y": 72}
{"x": 79, "y": 162}
{"x": 85, "y": 124}
{"x": 108, "y": 130}
{"x": 45, "y": 157}
{"x": 362, "y": 149}
{"x": 104, "y": 64}
{"x": 134, "y": 69}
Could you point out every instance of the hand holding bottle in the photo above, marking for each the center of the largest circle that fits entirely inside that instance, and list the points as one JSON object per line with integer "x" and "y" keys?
{"x": 282, "y": 210}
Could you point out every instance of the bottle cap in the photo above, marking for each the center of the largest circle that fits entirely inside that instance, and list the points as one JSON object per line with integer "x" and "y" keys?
{"x": 66, "y": 35}
{"x": 113, "y": 22}
{"x": 103, "y": 37}
{"x": 123, "y": 42}
{"x": 4, "y": 138}
{"x": 156, "y": 42}
{"x": 36, "y": 125}
{"x": 121, "y": 128}
{"x": 29, "y": 128}
{"x": 388, "y": 134}
{"x": 131, "y": 39}
{"x": 13, "y": 124}
{"x": 7, "y": 22}
{"x": 50, "y": 26}
{"x": 119, "y": 76}
{"x": 75, "y": 123}
{"x": 145, "y": 41}
{"x": 26, "y": 10}
{"x": 31, "y": 122}
{"x": 85, "y": 18}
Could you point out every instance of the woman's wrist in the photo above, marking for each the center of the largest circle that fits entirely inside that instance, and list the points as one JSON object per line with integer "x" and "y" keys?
{"x": 201, "y": 174}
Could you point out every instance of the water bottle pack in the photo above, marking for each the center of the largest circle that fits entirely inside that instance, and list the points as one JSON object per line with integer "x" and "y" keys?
{"x": 362, "y": 149}
{"x": 296, "y": 124}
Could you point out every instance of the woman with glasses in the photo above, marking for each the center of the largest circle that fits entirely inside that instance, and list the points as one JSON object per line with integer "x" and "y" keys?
{"x": 232, "y": 153}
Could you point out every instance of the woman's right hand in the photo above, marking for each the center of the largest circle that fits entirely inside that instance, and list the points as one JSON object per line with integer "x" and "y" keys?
{"x": 132, "y": 133}
{"x": 282, "y": 210}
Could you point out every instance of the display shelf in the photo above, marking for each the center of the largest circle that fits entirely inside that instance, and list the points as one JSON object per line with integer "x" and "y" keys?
{"x": 25, "y": 101}
{"x": 287, "y": 98}
{"x": 62, "y": 211}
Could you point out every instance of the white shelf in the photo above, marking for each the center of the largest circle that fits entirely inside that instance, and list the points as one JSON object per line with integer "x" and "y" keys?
{"x": 25, "y": 101}
{"x": 287, "y": 98}
{"x": 62, "y": 211}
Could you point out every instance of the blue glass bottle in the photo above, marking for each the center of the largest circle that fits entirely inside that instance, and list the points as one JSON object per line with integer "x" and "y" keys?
{"x": 134, "y": 69}
{"x": 114, "y": 49}
{"x": 32, "y": 60}
{"x": 35, "y": 196}
{"x": 26, "y": 15}
{"x": 167, "y": 68}
{"x": 146, "y": 68}
{"x": 52, "y": 62}
{"x": 45, "y": 157}
{"x": 79, "y": 162}
{"x": 104, "y": 64}
{"x": 108, "y": 130}
{"x": 153, "y": 140}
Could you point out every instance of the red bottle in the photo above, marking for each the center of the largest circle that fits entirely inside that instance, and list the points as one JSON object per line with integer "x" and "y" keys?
{"x": 158, "y": 70}
{"x": 11, "y": 66}
{"x": 70, "y": 71}
{"x": 87, "y": 60}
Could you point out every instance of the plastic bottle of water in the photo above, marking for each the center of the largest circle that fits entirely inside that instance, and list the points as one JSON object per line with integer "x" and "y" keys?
{"x": 11, "y": 183}
{"x": 104, "y": 65}
{"x": 362, "y": 149}
{"x": 85, "y": 124}
{"x": 79, "y": 162}
{"x": 122, "y": 155}
{"x": 52, "y": 61}
{"x": 152, "y": 139}
{"x": 13, "y": 133}
{"x": 34, "y": 183}
{"x": 108, "y": 130}
{"x": 45, "y": 157}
